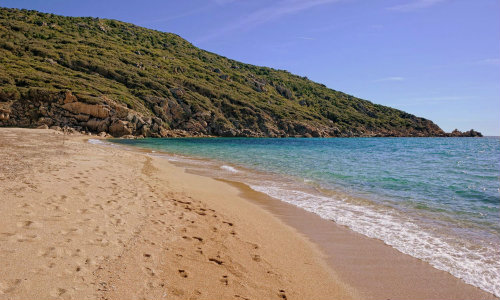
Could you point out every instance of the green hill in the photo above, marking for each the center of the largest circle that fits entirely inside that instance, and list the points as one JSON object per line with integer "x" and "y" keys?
{"x": 99, "y": 75}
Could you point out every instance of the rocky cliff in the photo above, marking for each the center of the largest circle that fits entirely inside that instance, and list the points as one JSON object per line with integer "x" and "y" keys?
{"x": 99, "y": 75}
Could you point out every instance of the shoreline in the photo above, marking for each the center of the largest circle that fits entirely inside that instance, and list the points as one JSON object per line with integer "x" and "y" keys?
{"x": 85, "y": 221}
{"x": 373, "y": 268}
{"x": 413, "y": 277}
{"x": 142, "y": 222}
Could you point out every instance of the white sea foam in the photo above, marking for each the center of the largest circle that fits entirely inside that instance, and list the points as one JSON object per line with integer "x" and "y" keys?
{"x": 97, "y": 142}
{"x": 229, "y": 168}
{"x": 479, "y": 267}
{"x": 167, "y": 156}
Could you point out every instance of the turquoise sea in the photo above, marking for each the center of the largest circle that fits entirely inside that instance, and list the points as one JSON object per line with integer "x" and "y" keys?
{"x": 437, "y": 199}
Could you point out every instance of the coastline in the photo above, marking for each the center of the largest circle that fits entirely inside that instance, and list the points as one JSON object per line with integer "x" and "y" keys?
{"x": 298, "y": 252}
{"x": 85, "y": 221}
{"x": 374, "y": 269}
{"x": 414, "y": 278}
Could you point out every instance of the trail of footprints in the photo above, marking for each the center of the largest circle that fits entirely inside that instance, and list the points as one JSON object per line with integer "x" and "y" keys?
{"x": 56, "y": 230}
{"x": 176, "y": 232}
{"x": 173, "y": 238}
{"x": 218, "y": 234}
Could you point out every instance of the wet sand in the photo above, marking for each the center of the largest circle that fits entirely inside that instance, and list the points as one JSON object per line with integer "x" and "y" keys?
{"x": 374, "y": 269}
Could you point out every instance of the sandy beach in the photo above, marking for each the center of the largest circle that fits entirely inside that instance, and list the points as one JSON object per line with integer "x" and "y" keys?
{"x": 86, "y": 221}
{"x": 82, "y": 221}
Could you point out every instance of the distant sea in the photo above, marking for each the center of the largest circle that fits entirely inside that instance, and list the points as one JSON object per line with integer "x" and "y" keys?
{"x": 437, "y": 199}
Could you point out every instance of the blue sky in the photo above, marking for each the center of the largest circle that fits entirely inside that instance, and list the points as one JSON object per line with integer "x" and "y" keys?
{"x": 438, "y": 59}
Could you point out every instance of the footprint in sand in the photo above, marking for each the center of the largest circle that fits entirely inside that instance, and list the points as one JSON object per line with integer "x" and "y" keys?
{"x": 58, "y": 292}
{"x": 29, "y": 224}
{"x": 224, "y": 280}
{"x": 149, "y": 271}
{"x": 177, "y": 292}
{"x": 83, "y": 211}
{"x": 215, "y": 260}
{"x": 27, "y": 238}
{"x": 9, "y": 287}
{"x": 282, "y": 294}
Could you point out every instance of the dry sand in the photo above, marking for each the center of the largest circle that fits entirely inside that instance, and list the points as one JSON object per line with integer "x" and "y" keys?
{"x": 84, "y": 221}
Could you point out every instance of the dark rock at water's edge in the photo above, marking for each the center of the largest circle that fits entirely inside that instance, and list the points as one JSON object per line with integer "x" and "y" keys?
{"x": 113, "y": 78}
{"x": 470, "y": 133}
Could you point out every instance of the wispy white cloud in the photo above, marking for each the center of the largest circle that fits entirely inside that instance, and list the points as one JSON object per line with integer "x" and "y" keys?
{"x": 414, "y": 5}
{"x": 392, "y": 78}
{"x": 265, "y": 15}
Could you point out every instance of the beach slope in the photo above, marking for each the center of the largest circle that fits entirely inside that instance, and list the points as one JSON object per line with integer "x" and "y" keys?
{"x": 85, "y": 221}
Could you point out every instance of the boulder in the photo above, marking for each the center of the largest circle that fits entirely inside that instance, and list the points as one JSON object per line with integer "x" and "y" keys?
{"x": 119, "y": 128}
{"x": 4, "y": 114}
{"x": 121, "y": 111}
{"x": 128, "y": 136}
{"x": 97, "y": 125}
{"x": 45, "y": 121}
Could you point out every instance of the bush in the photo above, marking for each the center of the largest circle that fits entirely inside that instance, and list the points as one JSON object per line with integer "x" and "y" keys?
{"x": 9, "y": 93}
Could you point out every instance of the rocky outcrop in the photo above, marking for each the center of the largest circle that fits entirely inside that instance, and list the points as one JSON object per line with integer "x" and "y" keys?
{"x": 470, "y": 133}
{"x": 40, "y": 108}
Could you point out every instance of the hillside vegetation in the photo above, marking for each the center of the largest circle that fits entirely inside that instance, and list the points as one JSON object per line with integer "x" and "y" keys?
{"x": 100, "y": 75}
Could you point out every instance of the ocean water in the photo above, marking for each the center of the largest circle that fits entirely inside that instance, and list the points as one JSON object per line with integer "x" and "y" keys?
{"x": 437, "y": 199}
